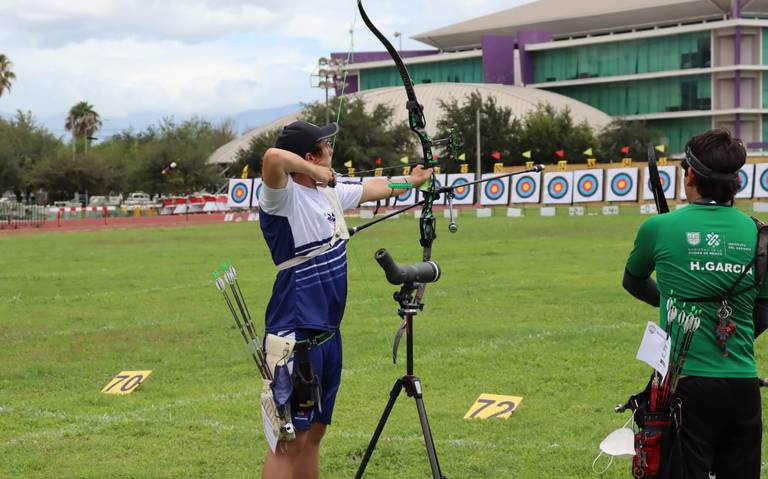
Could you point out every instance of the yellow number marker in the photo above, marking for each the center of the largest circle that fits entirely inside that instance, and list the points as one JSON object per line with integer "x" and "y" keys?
{"x": 489, "y": 406}
{"x": 125, "y": 382}
{"x": 463, "y": 168}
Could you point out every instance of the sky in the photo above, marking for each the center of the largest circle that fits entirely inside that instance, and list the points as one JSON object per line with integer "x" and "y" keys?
{"x": 212, "y": 58}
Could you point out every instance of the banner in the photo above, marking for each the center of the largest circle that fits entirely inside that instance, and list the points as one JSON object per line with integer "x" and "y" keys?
{"x": 622, "y": 184}
{"x": 761, "y": 180}
{"x": 240, "y": 193}
{"x": 588, "y": 185}
{"x": 558, "y": 188}
{"x": 746, "y": 175}
{"x": 257, "y": 184}
{"x": 526, "y": 188}
{"x": 495, "y": 191}
{"x": 668, "y": 177}
{"x": 462, "y": 195}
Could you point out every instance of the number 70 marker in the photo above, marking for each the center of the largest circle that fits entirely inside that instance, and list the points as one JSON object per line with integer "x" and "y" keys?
{"x": 125, "y": 382}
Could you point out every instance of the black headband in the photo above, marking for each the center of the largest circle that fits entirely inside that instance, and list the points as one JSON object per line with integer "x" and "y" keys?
{"x": 703, "y": 170}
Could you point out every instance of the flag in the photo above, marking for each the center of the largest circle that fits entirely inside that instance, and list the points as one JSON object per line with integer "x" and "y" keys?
{"x": 588, "y": 152}
{"x": 348, "y": 164}
{"x": 625, "y": 150}
{"x": 527, "y": 154}
{"x": 661, "y": 148}
{"x": 560, "y": 153}
{"x": 404, "y": 160}
{"x": 435, "y": 157}
{"x": 378, "y": 161}
{"x": 463, "y": 157}
{"x": 244, "y": 174}
{"x": 496, "y": 155}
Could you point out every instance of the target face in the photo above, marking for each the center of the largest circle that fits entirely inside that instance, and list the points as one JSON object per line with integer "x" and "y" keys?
{"x": 744, "y": 179}
{"x": 763, "y": 180}
{"x": 558, "y": 188}
{"x": 258, "y": 190}
{"x": 666, "y": 181}
{"x": 587, "y": 185}
{"x": 460, "y": 192}
{"x": 405, "y": 195}
{"x": 494, "y": 189}
{"x": 525, "y": 187}
{"x": 621, "y": 184}
{"x": 239, "y": 193}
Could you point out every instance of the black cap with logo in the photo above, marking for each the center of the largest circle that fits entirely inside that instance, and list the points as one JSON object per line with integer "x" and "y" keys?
{"x": 300, "y": 136}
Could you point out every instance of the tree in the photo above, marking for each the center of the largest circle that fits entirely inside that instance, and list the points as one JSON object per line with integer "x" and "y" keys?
{"x": 634, "y": 134}
{"x": 6, "y": 74}
{"x": 82, "y": 121}
{"x": 547, "y": 129}
{"x": 499, "y": 130}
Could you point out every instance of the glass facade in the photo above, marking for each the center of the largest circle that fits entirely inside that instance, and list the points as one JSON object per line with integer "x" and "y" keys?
{"x": 765, "y": 128}
{"x": 680, "y": 130}
{"x": 469, "y": 70}
{"x": 691, "y": 50}
{"x": 645, "y": 96}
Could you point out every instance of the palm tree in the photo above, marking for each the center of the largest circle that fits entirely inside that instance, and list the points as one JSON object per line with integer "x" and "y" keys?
{"x": 6, "y": 74}
{"x": 82, "y": 121}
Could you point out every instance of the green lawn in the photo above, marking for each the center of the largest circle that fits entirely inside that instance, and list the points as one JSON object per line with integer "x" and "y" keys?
{"x": 531, "y": 307}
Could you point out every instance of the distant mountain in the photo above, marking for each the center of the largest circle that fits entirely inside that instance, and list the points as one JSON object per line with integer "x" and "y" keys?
{"x": 244, "y": 120}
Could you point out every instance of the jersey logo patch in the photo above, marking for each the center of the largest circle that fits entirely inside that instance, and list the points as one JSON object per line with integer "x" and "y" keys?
{"x": 331, "y": 217}
{"x": 713, "y": 240}
{"x": 693, "y": 238}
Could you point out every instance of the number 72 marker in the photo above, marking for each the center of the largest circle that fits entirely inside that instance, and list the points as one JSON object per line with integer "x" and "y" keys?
{"x": 493, "y": 406}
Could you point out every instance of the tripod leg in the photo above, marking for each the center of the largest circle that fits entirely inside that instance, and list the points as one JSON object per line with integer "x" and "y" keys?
{"x": 393, "y": 394}
{"x": 433, "y": 462}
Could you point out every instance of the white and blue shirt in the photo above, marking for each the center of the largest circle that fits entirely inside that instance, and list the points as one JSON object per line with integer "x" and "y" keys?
{"x": 295, "y": 220}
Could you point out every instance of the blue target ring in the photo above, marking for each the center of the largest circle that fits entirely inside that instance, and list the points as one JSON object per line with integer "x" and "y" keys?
{"x": 666, "y": 181}
{"x": 621, "y": 184}
{"x": 744, "y": 179}
{"x": 460, "y": 192}
{"x": 587, "y": 185}
{"x": 258, "y": 189}
{"x": 764, "y": 180}
{"x": 405, "y": 195}
{"x": 494, "y": 189}
{"x": 239, "y": 192}
{"x": 525, "y": 187}
{"x": 558, "y": 188}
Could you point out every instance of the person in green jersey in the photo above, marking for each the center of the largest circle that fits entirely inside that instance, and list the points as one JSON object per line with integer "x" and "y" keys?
{"x": 699, "y": 253}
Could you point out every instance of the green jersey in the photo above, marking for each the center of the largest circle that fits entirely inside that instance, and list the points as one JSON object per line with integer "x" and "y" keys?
{"x": 699, "y": 251}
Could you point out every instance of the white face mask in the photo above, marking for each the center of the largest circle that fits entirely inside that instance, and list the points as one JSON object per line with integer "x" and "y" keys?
{"x": 620, "y": 443}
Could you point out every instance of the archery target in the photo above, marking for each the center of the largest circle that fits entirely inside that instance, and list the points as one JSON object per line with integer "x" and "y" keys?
{"x": 588, "y": 185}
{"x": 525, "y": 188}
{"x": 668, "y": 177}
{"x": 462, "y": 195}
{"x": 495, "y": 190}
{"x": 240, "y": 193}
{"x": 622, "y": 184}
{"x": 439, "y": 182}
{"x": 558, "y": 188}
{"x": 258, "y": 183}
{"x": 761, "y": 180}
{"x": 746, "y": 175}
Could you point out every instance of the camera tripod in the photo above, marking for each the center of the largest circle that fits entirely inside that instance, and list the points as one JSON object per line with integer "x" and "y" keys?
{"x": 411, "y": 383}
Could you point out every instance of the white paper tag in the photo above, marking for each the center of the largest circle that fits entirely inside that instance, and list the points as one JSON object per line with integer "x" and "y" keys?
{"x": 654, "y": 349}
{"x": 269, "y": 433}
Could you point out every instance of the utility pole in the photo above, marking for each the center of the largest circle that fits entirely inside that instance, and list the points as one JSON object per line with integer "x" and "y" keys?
{"x": 478, "y": 172}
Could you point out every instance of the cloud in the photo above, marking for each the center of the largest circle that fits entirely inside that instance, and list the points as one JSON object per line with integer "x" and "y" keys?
{"x": 209, "y": 57}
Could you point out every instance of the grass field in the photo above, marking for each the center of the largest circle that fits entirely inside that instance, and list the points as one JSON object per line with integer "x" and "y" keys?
{"x": 531, "y": 307}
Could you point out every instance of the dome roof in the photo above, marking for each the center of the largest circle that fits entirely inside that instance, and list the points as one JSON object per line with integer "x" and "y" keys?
{"x": 519, "y": 99}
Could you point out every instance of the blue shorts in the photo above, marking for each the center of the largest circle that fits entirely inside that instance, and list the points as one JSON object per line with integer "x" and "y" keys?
{"x": 326, "y": 360}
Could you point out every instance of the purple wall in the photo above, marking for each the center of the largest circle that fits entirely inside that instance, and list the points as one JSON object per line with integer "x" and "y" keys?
{"x": 526, "y": 59}
{"x": 498, "y": 59}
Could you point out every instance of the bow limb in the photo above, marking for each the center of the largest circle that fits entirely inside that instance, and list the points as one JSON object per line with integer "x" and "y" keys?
{"x": 417, "y": 123}
{"x": 655, "y": 180}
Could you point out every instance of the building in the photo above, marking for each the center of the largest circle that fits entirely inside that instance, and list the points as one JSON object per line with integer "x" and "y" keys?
{"x": 683, "y": 66}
